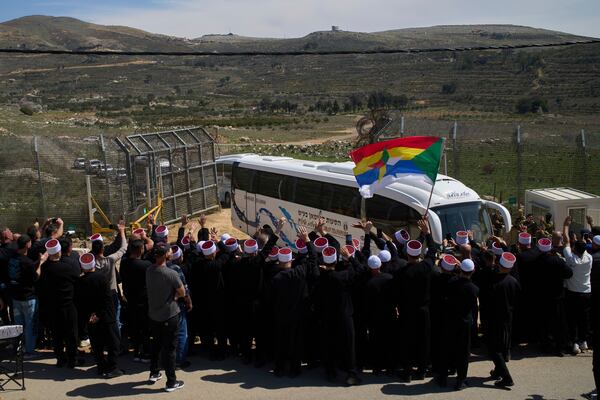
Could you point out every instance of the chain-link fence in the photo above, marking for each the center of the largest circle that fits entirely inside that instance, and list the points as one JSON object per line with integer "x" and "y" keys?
{"x": 47, "y": 176}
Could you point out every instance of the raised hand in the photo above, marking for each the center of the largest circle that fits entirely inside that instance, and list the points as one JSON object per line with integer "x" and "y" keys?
{"x": 320, "y": 226}
{"x": 213, "y": 234}
{"x": 423, "y": 225}
{"x": 202, "y": 220}
{"x": 303, "y": 234}
{"x": 184, "y": 220}
{"x": 344, "y": 252}
{"x": 280, "y": 224}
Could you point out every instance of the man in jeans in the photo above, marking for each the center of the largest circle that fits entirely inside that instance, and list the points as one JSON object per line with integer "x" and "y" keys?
{"x": 164, "y": 289}
{"x": 22, "y": 274}
{"x": 579, "y": 290}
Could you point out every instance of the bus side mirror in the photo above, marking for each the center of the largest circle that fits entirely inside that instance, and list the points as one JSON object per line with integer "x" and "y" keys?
{"x": 503, "y": 211}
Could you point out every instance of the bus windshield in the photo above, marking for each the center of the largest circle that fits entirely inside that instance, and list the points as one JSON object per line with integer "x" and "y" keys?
{"x": 466, "y": 216}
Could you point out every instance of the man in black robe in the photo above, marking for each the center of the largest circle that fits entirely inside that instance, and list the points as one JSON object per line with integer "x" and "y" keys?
{"x": 208, "y": 294}
{"x": 414, "y": 281}
{"x": 333, "y": 304}
{"x": 380, "y": 314}
{"x": 503, "y": 297}
{"x": 288, "y": 292}
{"x": 461, "y": 301}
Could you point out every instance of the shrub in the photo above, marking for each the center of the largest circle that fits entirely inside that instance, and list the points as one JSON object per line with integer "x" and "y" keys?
{"x": 448, "y": 88}
{"x": 532, "y": 104}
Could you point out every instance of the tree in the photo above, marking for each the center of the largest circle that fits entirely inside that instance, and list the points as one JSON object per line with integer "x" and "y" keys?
{"x": 532, "y": 104}
{"x": 448, "y": 88}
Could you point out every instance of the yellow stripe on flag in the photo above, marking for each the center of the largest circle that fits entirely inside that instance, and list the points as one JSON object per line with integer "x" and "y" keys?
{"x": 404, "y": 153}
{"x": 382, "y": 172}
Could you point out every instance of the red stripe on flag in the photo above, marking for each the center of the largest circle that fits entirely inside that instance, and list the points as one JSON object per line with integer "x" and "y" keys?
{"x": 415, "y": 142}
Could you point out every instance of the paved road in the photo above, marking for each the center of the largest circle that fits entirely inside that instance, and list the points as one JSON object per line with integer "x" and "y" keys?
{"x": 537, "y": 378}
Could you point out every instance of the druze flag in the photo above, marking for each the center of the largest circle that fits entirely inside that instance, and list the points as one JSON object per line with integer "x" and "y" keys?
{"x": 380, "y": 164}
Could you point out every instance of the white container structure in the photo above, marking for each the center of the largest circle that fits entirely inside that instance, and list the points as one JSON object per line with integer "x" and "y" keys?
{"x": 561, "y": 202}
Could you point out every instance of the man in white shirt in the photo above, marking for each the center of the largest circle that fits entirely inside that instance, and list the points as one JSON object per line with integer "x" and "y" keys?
{"x": 579, "y": 290}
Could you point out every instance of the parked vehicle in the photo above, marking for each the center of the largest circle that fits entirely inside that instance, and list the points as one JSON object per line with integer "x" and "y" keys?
{"x": 105, "y": 170}
{"x": 120, "y": 174}
{"x": 224, "y": 165}
{"x": 92, "y": 166}
{"x": 79, "y": 163}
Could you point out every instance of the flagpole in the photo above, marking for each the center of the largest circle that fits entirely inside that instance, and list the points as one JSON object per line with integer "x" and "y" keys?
{"x": 433, "y": 183}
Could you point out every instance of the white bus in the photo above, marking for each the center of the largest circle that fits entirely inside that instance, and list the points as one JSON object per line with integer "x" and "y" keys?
{"x": 265, "y": 188}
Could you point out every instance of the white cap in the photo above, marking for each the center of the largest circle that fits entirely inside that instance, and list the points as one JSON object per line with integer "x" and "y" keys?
{"x": 374, "y": 262}
{"x": 524, "y": 238}
{"x": 596, "y": 240}
{"x": 273, "y": 255}
{"x": 351, "y": 250}
{"x": 199, "y": 245}
{"x": 356, "y": 244}
{"x": 53, "y": 247}
{"x": 138, "y": 231}
{"x": 467, "y": 265}
{"x": 208, "y": 248}
{"x": 87, "y": 261}
{"x": 321, "y": 243}
{"x": 96, "y": 236}
{"x": 384, "y": 256}
{"x": 330, "y": 255}
{"x": 185, "y": 242}
{"x": 413, "y": 248}
{"x": 225, "y": 236}
{"x": 402, "y": 236}
{"x": 301, "y": 246}
{"x": 162, "y": 231}
{"x": 284, "y": 255}
{"x": 177, "y": 253}
{"x": 462, "y": 237}
{"x": 544, "y": 244}
{"x": 507, "y": 260}
{"x": 497, "y": 249}
{"x": 449, "y": 263}
{"x": 231, "y": 244}
{"x": 250, "y": 246}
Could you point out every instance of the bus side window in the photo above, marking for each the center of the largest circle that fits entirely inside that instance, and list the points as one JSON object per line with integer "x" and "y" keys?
{"x": 243, "y": 178}
{"x": 390, "y": 215}
{"x": 267, "y": 184}
{"x": 227, "y": 172}
{"x": 286, "y": 188}
{"x": 345, "y": 201}
{"x": 309, "y": 194}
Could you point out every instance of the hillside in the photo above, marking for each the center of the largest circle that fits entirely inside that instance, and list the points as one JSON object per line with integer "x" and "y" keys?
{"x": 42, "y": 32}
{"x": 177, "y": 90}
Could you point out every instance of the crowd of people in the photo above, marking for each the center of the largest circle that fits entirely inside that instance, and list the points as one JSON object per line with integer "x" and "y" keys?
{"x": 411, "y": 308}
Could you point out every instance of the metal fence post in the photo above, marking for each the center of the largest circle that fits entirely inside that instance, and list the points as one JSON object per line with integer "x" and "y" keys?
{"x": 585, "y": 166}
{"x": 36, "y": 155}
{"x": 455, "y": 161}
{"x": 519, "y": 142}
{"x": 109, "y": 199}
{"x": 402, "y": 126}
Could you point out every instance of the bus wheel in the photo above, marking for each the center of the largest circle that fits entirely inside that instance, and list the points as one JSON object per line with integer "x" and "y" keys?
{"x": 227, "y": 202}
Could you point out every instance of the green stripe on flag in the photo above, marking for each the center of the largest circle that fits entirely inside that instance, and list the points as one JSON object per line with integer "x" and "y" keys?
{"x": 429, "y": 160}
